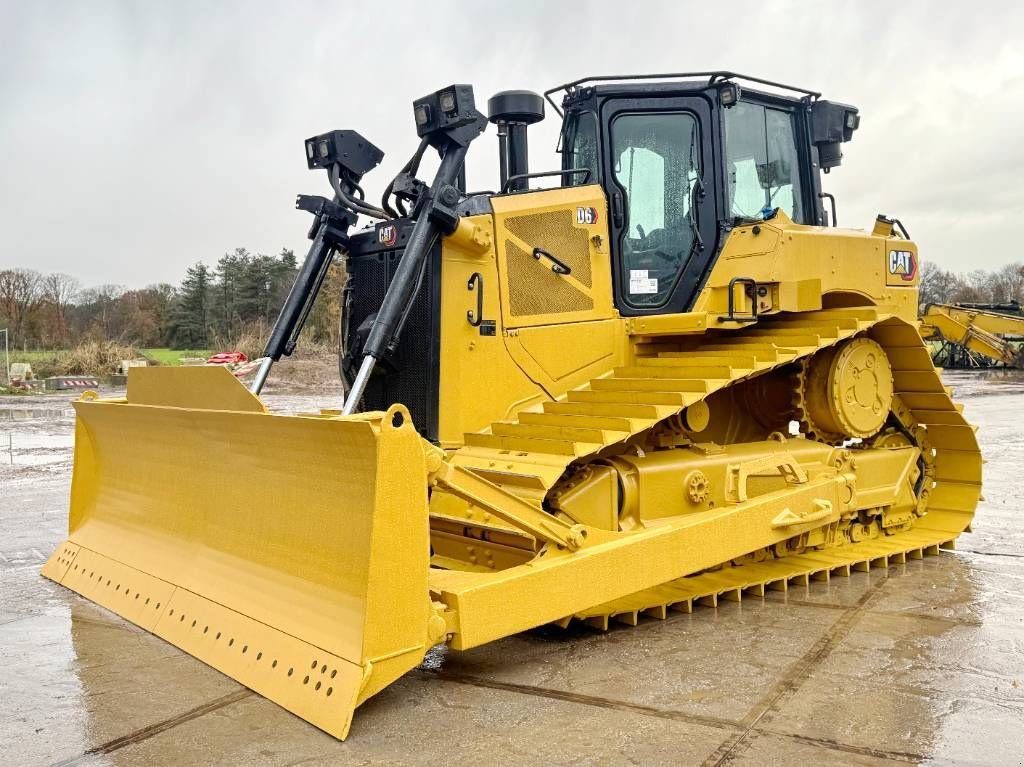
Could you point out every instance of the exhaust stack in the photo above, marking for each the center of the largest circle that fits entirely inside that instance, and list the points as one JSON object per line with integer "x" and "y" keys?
{"x": 513, "y": 112}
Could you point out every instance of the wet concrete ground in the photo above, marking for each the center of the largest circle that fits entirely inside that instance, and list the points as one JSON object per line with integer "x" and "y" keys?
{"x": 920, "y": 663}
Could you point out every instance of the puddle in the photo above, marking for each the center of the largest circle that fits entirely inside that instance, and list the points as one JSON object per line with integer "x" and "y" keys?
{"x": 937, "y": 655}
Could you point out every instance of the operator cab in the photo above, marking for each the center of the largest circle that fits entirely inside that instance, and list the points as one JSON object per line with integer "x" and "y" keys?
{"x": 679, "y": 164}
{"x": 683, "y": 162}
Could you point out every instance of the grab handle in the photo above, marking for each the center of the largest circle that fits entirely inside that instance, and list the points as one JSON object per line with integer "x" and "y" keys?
{"x": 476, "y": 281}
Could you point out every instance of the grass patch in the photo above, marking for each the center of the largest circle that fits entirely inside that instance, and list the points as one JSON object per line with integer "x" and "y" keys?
{"x": 164, "y": 356}
{"x": 33, "y": 356}
{"x": 100, "y": 359}
{"x": 44, "y": 363}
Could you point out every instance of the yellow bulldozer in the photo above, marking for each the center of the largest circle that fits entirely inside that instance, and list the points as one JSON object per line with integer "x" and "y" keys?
{"x": 665, "y": 381}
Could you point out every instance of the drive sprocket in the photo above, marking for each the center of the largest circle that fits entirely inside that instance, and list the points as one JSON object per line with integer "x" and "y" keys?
{"x": 844, "y": 392}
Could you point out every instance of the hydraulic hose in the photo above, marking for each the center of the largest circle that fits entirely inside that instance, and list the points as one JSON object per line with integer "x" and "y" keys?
{"x": 353, "y": 204}
{"x": 410, "y": 167}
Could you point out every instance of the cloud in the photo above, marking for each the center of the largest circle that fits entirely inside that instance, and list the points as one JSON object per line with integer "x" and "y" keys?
{"x": 138, "y": 138}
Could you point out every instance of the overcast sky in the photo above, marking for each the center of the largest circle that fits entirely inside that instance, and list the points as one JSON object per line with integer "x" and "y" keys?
{"x": 139, "y": 137}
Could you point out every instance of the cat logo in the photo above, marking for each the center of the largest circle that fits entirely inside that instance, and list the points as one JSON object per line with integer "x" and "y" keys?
{"x": 586, "y": 215}
{"x": 902, "y": 264}
{"x": 387, "y": 235}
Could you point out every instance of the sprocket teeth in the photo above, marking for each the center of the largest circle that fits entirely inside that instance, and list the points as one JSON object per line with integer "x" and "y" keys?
{"x": 803, "y": 416}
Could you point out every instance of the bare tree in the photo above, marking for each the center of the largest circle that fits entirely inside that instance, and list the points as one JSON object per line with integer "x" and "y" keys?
{"x": 980, "y": 283}
{"x": 59, "y": 290}
{"x": 104, "y": 298}
{"x": 1008, "y": 283}
{"x": 21, "y": 291}
{"x": 937, "y": 285}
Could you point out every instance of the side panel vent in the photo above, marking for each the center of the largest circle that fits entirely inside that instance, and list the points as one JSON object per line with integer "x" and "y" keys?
{"x": 555, "y": 233}
{"x": 570, "y": 226}
{"x": 536, "y": 290}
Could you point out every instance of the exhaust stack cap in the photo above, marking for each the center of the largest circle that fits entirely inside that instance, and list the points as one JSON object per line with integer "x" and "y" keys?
{"x": 524, "y": 107}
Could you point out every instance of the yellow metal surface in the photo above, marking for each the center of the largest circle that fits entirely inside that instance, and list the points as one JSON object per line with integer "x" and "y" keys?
{"x": 561, "y": 357}
{"x": 665, "y": 377}
{"x": 673, "y": 372}
{"x": 488, "y": 606}
{"x": 500, "y": 387}
{"x": 976, "y": 329}
{"x": 266, "y": 546}
{"x": 804, "y": 268}
{"x": 197, "y": 388}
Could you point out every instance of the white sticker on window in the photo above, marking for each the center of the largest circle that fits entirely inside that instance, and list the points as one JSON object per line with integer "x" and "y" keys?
{"x": 639, "y": 282}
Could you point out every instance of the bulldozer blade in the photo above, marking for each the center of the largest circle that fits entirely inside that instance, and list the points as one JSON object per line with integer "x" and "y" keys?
{"x": 289, "y": 552}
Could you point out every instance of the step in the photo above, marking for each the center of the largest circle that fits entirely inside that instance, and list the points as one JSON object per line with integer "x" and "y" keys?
{"x": 577, "y": 415}
{"x": 672, "y": 398}
{"x": 807, "y": 336}
{"x": 581, "y": 433}
{"x": 722, "y": 352}
{"x": 760, "y": 352}
{"x": 692, "y": 360}
{"x": 805, "y": 342}
{"x": 519, "y": 444}
{"x": 613, "y": 409}
{"x": 661, "y": 347}
{"x": 757, "y": 345}
{"x": 696, "y": 385}
{"x": 677, "y": 372}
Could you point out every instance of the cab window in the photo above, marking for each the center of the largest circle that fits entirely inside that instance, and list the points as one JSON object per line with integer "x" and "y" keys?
{"x": 582, "y": 150}
{"x": 762, "y": 165}
{"x": 655, "y": 160}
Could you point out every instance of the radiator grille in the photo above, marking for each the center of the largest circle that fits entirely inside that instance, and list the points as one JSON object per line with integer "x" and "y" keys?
{"x": 414, "y": 381}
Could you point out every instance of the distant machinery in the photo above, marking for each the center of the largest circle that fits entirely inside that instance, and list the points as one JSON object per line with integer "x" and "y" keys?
{"x": 975, "y": 335}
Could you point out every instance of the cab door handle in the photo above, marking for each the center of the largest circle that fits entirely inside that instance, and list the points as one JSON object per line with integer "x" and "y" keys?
{"x": 618, "y": 214}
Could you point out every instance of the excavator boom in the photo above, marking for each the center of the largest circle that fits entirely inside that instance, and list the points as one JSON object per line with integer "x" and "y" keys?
{"x": 980, "y": 330}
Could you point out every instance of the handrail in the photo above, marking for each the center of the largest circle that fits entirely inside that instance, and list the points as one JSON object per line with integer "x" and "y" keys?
{"x": 713, "y": 76}
{"x": 507, "y": 187}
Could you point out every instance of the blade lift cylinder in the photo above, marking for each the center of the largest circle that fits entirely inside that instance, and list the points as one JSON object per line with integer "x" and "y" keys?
{"x": 348, "y": 154}
{"x": 388, "y": 324}
{"x": 449, "y": 121}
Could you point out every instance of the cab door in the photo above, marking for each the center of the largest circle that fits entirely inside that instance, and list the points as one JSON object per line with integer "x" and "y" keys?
{"x": 553, "y": 256}
{"x": 658, "y": 173}
{"x": 554, "y": 264}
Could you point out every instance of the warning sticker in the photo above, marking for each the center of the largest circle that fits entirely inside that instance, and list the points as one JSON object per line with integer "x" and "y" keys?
{"x": 639, "y": 282}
